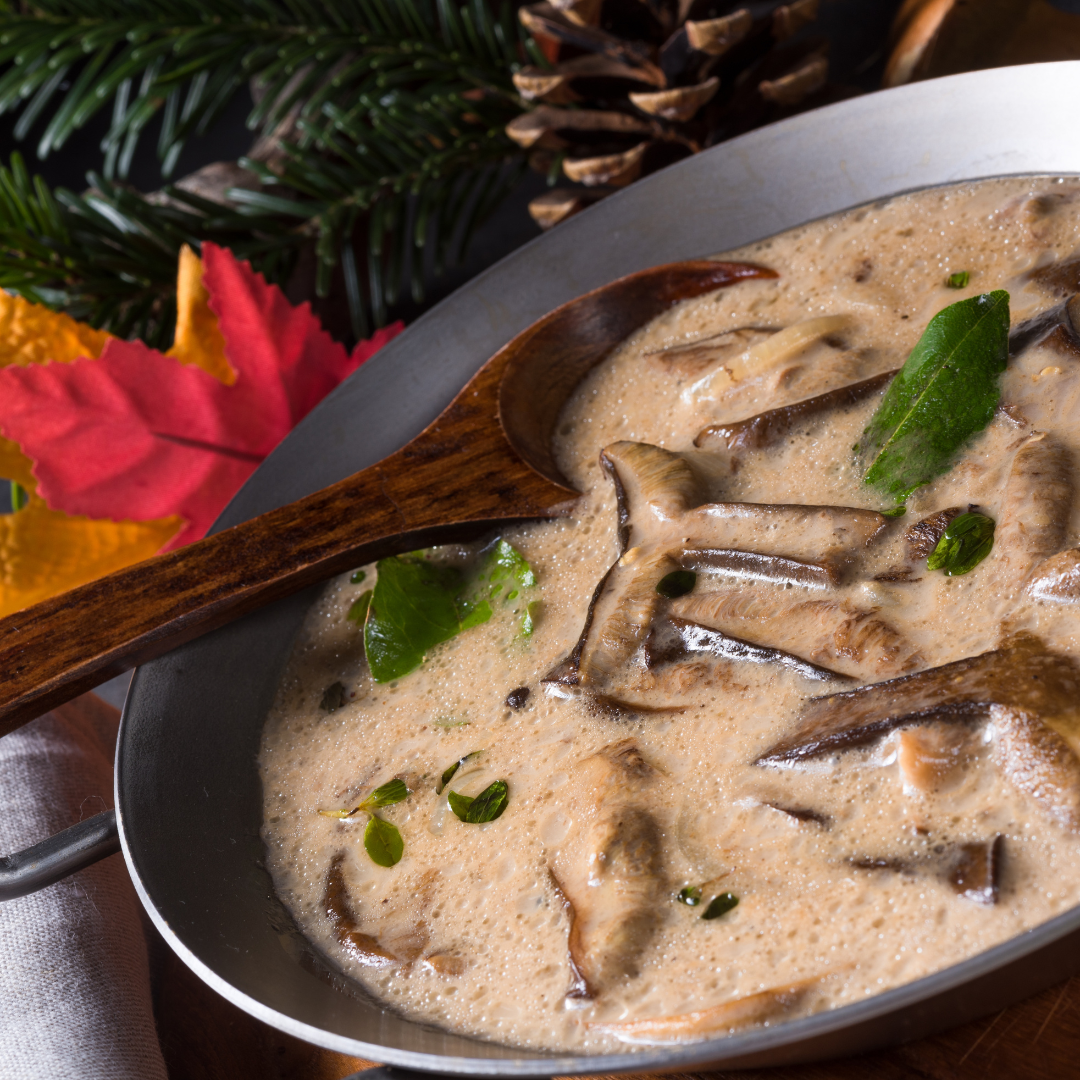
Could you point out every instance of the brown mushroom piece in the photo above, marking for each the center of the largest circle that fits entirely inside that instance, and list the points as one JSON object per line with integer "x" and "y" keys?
{"x": 693, "y": 357}
{"x": 361, "y": 947}
{"x": 834, "y": 635}
{"x": 1036, "y": 506}
{"x": 1057, "y": 328}
{"x": 1058, "y": 578}
{"x": 662, "y": 518}
{"x": 971, "y": 869}
{"x": 922, "y": 537}
{"x": 1030, "y": 694}
{"x": 932, "y": 756}
{"x": 770, "y": 427}
{"x": 610, "y": 868}
{"x": 675, "y": 639}
{"x": 760, "y": 1008}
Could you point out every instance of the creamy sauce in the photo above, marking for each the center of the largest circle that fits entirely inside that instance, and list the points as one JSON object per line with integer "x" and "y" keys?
{"x": 850, "y": 866}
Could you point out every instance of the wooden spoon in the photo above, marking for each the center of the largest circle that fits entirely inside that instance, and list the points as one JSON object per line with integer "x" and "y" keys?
{"x": 486, "y": 461}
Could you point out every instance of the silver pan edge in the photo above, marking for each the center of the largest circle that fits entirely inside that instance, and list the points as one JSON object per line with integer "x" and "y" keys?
{"x": 188, "y": 794}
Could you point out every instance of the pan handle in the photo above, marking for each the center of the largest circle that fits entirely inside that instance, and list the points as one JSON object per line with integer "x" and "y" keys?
{"x": 73, "y": 849}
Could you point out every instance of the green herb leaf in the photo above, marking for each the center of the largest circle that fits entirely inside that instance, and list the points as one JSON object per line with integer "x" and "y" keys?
{"x": 358, "y": 576}
{"x": 413, "y": 608}
{"x": 393, "y": 791}
{"x": 958, "y": 280}
{"x": 449, "y": 773}
{"x": 896, "y": 511}
{"x": 417, "y": 604}
{"x": 383, "y": 843}
{"x": 967, "y": 540}
{"x": 19, "y": 496}
{"x": 690, "y": 896}
{"x": 487, "y": 806}
{"x": 358, "y": 609}
{"x": 946, "y": 392}
{"x": 720, "y": 905}
{"x": 677, "y": 583}
{"x": 333, "y": 697}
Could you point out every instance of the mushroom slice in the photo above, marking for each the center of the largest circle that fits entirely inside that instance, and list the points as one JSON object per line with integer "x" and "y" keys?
{"x": 1036, "y": 506}
{"x": 695, "y": 356}
{"x": 1038, "y": 757}
{"x": 1058, "y": 328}
{"x": 790, "y": 89}
{"x": 677, "y": 639}
{"x": 770, "y": 427}
{"x": 760, "y": 1008}
{"x": 931, "y": 756}
{"x": 922, "y": 537}
{"x": 361, "y": 947}
{"x": 449, "y": 964}
{"x": 971, "y": 869}
{"x": 825, "y": 535}
{"x": 833, "y": 634}
{"x": 753, "y": 566}
{"x": 1058, "y": 578}
{"x": 618, "y": 170}
{"x": 1022, "y": 674}
{"x": 610, "y": 868}
{"x": 652, "y": 485}
{"x": 1032, "y": 696}
{"x": 716, "y": 36}
{"x": 679, "y": 103}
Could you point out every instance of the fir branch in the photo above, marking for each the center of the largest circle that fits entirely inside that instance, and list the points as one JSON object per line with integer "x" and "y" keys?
{"x": 147, "y": 55}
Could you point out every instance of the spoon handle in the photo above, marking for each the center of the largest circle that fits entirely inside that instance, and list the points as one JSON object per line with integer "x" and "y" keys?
{"x": 454, "y": 482}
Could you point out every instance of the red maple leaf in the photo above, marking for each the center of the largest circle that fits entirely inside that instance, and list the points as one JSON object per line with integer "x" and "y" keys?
{"x": 135, "y": 435}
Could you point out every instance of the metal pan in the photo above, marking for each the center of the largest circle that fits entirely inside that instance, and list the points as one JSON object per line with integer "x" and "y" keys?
{"x": 188, "y": 795}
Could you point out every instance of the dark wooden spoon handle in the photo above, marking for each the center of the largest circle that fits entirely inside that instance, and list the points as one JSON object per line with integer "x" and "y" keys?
{"x": 455, "y": 481}
{"x": 458, "y": 479}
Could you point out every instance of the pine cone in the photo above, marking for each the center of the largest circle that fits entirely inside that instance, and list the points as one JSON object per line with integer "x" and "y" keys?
{"x": 635, "y": 85}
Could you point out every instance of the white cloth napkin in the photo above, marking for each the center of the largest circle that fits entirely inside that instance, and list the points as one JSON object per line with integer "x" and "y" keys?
{"x": 75, "y": 996}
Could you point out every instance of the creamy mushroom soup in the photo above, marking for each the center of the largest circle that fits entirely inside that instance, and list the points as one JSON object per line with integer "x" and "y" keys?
{"x": 783, "y": 715}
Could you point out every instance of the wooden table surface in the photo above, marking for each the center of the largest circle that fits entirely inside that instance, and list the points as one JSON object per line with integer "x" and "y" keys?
{"x": 203, "y": 1037}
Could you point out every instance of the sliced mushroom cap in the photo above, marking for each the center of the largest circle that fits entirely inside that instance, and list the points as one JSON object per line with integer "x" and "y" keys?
{"x": 922, "y": 537}
{"x": 652, "y": 485}
{"x": 1036, "y": 506}
{"x": 694, "y": 356}
{"x": 770, "y": 427}
{"x": 826, "y": 535}
{"x": 618, "y": 170}
{"x": 1058, "y": 578}
{"x": 760, "y": 1008}
{"x": 790, "y": 89}
{"x": 717, "y": 36}
{"x": 932, "y": 756}
{"x": 1057, "y": 328}
{"x": 1023, "y": 675}
{"x": 971, "y": 869}
{"x": 358, "y": 946}
{"x": 540, "y": 126}
{"x": 677, "y": 639}
{"x": 559, "y": 204}
{"x": 610, "y": 868}
{"x": 1037, "y": 755}
{"x": 831, "y": 634}
{"x": 747, "y": 566}
{"x": 680, "y": 103}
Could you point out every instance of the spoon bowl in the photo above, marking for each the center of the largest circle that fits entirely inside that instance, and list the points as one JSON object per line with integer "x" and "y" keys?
{"x": 485, "y": 461}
